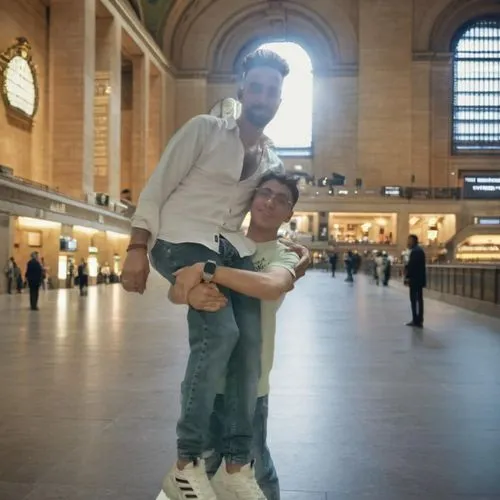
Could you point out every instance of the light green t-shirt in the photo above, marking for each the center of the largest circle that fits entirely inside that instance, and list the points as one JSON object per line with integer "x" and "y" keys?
{"x": 268, "y": 255}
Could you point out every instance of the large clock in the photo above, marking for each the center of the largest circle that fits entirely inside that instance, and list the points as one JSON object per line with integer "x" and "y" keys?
{"x": 227, "y": 108}
{"x": 19, "y": 85}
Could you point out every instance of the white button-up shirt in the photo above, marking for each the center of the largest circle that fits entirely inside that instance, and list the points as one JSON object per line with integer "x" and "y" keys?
{"x": 195, "y": 193}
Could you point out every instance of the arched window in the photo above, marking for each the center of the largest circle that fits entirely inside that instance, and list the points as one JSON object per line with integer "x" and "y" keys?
{"x": 476, "y": 87}
{"x": 291, "y": 129}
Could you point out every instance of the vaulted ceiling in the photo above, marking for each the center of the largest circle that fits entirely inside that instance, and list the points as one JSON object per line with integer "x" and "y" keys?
{"x": 154, "y": 13}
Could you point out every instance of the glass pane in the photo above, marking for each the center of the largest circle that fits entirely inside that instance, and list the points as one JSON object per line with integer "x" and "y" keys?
{"x": 476, "y": 88}
{"x": 291, "y": 129}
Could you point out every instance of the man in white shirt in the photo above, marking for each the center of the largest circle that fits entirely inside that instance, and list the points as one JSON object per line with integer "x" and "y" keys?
{"x": 275, "y": 265}
{"x": 190, "y": 211}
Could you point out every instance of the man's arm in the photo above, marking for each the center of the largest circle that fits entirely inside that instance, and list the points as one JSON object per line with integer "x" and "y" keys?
{"x": 178, "y": 158}
{"x": 268, "y": 285}
{"x": 175, "y": 163}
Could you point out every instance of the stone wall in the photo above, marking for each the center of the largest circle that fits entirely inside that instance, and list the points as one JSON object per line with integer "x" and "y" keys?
{"x": 22, "y": 149}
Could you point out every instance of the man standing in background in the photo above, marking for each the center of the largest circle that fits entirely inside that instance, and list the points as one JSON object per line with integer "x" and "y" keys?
{"x": 416, "y": 280}
{"x": 34, "y": 275}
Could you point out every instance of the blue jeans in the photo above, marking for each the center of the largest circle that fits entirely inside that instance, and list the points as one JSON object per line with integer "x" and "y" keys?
{"x": 265, "y": 471}
{"x": 225, "y": 344}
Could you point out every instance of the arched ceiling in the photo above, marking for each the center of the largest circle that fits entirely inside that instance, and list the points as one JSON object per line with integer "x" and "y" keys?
{"x": 155, "y": 13}
{"x": 207, "y": 35}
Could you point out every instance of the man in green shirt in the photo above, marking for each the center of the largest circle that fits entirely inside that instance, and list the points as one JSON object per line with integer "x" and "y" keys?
{"x": 272, "y": 205}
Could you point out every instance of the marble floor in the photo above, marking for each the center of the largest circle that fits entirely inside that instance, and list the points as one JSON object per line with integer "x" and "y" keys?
{"x": 362, "y": 407}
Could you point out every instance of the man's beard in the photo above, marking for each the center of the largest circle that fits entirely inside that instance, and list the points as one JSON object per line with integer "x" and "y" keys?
{"x": 257, "y": 120}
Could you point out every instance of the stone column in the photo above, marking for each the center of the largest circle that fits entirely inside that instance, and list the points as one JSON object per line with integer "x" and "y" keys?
{"x": 155, "y": 121}
{"x": 191, "y": 98}
{"x": 335, "y": 124}
{"x": 140, "y": 124}
{"x": 107, "y": 107}
{"x": 421, "y": 120}
{"x": 6, "y": 233}
{"x": 167, "y": 108}
{"x": 403, "y": 227}
{"x": 384, "y": 124}
{"x": 72, "y": 74}
{"x": 441, "y": 88}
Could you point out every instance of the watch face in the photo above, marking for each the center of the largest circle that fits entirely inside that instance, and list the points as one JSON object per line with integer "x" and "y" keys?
{"x": 210, "y": 267}
{"x": 227, "y": 108}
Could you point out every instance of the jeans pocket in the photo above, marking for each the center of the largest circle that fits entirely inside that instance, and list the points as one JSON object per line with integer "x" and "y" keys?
{"x": 166, "y": 258}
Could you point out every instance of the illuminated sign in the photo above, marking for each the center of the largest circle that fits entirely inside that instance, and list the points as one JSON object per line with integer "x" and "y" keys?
{"x": 19, "y": 84}
{"x": 396, "y": 191}
{"x": 482, "y": 186}
{"x": 487, "y": 221}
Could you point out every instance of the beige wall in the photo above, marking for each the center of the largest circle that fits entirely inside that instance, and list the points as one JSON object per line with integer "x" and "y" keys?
{"x": 49, "y": 249}
{"x": 383, "y": 78}
{"x": 21, "y": 149}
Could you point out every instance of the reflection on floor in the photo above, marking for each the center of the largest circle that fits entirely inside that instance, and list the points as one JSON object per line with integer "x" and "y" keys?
{"x": 361, "y": 406}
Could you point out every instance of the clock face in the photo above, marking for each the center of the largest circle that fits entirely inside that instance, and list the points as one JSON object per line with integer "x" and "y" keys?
{"x": 19, "y": 85}
{"x": 227, "y": 108}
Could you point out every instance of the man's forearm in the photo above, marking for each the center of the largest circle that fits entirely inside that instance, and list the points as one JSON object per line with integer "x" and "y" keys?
{"x": 139, "y": 236}
{"x": 259, "y": 285}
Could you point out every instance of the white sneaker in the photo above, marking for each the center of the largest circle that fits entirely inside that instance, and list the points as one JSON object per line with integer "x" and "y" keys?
{"x": 191, "y": 483}
{"x": 239, "y": 486}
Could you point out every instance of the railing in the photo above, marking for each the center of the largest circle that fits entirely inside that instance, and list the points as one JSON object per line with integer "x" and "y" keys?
{"x": 395, "y": 192}
{"x": 479, "y": 282}
{"x": 112, "y": 206}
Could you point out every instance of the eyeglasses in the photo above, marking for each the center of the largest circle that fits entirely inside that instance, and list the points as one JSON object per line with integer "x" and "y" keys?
{"x": 281, "y": 199}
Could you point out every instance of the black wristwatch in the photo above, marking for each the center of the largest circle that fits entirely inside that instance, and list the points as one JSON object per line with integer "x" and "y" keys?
{"x": 209, "y": 270}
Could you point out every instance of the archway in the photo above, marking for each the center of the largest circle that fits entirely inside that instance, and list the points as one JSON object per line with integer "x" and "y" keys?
{"x": 291, "y": 129}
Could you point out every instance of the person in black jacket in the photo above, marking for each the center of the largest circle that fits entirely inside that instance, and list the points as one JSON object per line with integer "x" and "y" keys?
{"x": 34, "y": 274}
{"x": 416, "y": 280}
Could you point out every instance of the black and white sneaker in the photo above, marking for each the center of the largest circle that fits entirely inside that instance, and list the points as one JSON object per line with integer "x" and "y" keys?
{"x": 191, "y": 483}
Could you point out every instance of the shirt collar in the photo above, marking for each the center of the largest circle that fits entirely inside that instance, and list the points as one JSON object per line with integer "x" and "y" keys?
{"x": 265, "y": 141}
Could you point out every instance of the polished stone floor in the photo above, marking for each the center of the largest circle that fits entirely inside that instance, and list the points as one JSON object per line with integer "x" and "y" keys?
{"x": 362, "y": 407}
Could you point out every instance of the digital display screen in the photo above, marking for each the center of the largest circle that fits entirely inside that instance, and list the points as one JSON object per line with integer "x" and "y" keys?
{"x": 487, "y": 221}
{"x": 482, "y": 187}
{"x": 67, "y": 244}
{"x": 396, "y": 191}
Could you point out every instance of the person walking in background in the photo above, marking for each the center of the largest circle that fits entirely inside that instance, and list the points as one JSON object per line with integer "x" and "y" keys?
{"x": 18, "y": 277}
{"x": 416, "y": 280}
{"x": 34, "y": 273}
{"x": 349, "y": 266}
{"x": 333, "y": 262}
{"x": 387, "y": 268}
{"x": 44, "y": 273}
{"x": 83, "y": 278}
{"x": 9, "y": 274}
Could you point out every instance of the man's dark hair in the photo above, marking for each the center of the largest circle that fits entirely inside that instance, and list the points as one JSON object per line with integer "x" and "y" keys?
{"x": 414, "y": 237}
{"x": 287, "y": 180}
{"x": 265, "y": 58}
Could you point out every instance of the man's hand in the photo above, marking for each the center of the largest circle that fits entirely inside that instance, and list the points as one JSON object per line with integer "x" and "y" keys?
{"x": 303, "y": 253}
{"x": 206, "y": 297}
{"x": 135, "y": 271}
{"x": 187, "y": 278}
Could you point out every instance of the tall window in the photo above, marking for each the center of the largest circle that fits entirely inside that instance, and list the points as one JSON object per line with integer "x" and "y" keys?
{"x": 476, "y": 91}
{"x": 291, "y": 129}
